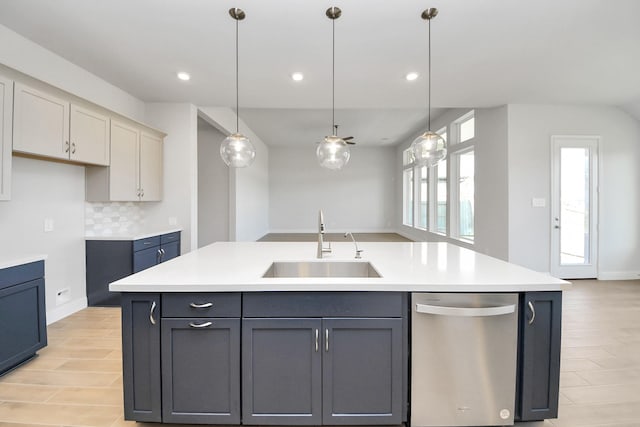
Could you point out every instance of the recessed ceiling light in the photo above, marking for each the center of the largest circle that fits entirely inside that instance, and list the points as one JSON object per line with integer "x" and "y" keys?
{"x": 183, "y": 76}
{"x": 411, "y": 76}
{"x": 297, "y": 76}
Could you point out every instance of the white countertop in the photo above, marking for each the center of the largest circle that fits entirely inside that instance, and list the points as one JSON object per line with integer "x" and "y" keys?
{"x": 404, "y": 266}
{"x": 19, "y": 260}
{"x": 133, "y": 235}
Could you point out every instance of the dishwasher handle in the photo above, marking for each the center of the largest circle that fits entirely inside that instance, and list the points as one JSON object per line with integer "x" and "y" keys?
{"x": 465, "y": 311}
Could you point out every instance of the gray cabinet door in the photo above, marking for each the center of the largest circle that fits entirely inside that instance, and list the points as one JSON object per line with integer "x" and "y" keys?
{"x": 539, "y": 358}
{"x": 362, "y": 371}
{"x": 170, "y": 251}
{"x": 141, "y": 356}
{"x": 146, "y": 258}
{"x": 201, "y": 371}
{"x": 281, "y": 368}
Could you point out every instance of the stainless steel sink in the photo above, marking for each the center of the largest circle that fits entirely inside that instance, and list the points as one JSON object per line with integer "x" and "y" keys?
{"x": 321, "y": 269}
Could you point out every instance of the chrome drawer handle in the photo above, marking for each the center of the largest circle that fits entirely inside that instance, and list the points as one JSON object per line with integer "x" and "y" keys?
{"x": 326, "y": 340}
{"x": 201, "y": 305}
{"x": 317, "y": 336}
{"x": 200, "y": 325}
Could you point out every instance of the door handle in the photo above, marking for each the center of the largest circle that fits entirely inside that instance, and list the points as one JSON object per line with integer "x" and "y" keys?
{"x": 465, "y": 311}
{"x": 153, "y": 307}
{"x": 317, "y": 337}
{"x": 326, "y": 339}
{"x": 533, "y": 312}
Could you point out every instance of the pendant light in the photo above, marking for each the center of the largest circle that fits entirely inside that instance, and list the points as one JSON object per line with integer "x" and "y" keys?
{"x": 429, "y": 148}
{"x": 333, "y": 151}
{"x": 236, "y": 150}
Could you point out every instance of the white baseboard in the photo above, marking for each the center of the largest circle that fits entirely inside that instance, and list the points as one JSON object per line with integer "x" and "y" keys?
{"x": 619, "y": 275}
{"x": 66, "y": 310}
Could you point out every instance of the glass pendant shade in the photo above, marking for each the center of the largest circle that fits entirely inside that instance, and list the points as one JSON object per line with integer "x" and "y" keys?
{"x": 428, "y": 149}
{"x": 237, "y": 151}
{"x": 333, "y": 153}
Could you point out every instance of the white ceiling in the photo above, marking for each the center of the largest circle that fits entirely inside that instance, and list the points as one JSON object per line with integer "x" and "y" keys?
{"x": 485, "y": 53}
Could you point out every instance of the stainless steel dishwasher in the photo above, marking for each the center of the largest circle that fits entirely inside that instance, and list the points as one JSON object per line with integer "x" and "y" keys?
{"x": 463, "y": 359}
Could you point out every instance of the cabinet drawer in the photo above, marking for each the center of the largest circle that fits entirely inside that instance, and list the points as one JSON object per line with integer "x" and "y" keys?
{"x": 323, "y": 304}
{"x": 212, "y": 304}
{"x": 21, "y": 273}
{"x": 149, "y": 242}
{"x": 171, "y": 237}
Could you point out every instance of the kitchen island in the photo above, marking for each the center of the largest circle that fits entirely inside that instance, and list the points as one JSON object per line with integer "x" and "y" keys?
{"x": 207, "y": 339}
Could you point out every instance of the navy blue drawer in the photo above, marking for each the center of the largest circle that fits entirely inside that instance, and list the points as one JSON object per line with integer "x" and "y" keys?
{"x": 21, "y": 273}
{"x": 201, "y": 304}
{"x": 323, "y": 304}
{"x": 171, "y": 237}
{"x": 147, "y": 243}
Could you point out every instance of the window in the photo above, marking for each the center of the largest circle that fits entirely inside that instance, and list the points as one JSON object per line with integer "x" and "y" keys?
{"x": 466, "y": 194}
{"x": 407, "y": 192}
{"x": 423, "y": 197}
{"x": 441, "y": 199}
{"x": 441, "y": 195}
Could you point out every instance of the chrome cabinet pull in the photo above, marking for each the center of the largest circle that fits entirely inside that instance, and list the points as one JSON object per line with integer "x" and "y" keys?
{"x": 153, "y": 308}
{"x": 533, "y": 312}
{"x": 465, "y": 311}
{"x": 326, "y": 339}
{"x": 162, "y": 250}
{"x": 73, "y": 148}
{"x": 317, "y": 336}
{"x": 66, "y": 146}
{"x": 159, "y": 255}
{"x": 146, "y": 243}
{"x": 201, "y": 305}
{"x": 200, "y": 325}
{"x": 142, "y": 192}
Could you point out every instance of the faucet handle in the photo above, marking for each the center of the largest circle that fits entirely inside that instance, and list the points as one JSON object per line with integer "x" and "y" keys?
{"x": 358, "y": 252}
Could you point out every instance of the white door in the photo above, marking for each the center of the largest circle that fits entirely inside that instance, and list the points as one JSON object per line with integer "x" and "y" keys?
{"x": 574, "y": 207}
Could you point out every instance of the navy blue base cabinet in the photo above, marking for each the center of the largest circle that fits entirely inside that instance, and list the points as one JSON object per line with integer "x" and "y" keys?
{"x": 23, "y": 324}
{"x": 538, "y": 356}
{"x": 111, "y": 260}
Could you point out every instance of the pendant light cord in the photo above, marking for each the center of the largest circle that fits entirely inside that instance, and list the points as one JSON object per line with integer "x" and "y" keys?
{"x": 429, "y": 90}
{"x": 237, "y": 84}
{"x": 333, "y": 76}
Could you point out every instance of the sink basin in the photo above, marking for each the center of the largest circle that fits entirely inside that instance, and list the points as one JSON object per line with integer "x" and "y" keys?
{"x": 321, "y": 269}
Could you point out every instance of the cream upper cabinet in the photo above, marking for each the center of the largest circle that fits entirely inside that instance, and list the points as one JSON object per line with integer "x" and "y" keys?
{"x": 40, "y": 123}
{"x": 6, "y": 103}
{"x": 48, "y": 126}
{"x": 150, "y": 167}
{"x": 135, "y": 171}
{"x": 89, "y": 136}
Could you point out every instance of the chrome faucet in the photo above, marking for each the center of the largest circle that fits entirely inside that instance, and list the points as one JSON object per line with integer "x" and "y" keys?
{"x": 358, "y": 251}
{"x": 321, "y": 249}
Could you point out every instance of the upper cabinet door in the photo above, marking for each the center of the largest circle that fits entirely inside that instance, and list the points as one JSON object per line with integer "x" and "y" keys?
{"x": 6, "y": 102}
{"x": 89, "y": 136}
{"x": 123, "y": 176}
{"x": 40, "y": 123}
{"x": 150, "y": 167}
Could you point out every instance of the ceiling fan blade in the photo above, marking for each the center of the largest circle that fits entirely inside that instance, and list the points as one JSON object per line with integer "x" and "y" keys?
{"x": 347, "y": 138}
{"x": 350, "y": 142}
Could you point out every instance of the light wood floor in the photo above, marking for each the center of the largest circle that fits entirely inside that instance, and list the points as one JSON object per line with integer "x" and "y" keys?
{"x": 76, "y": 380}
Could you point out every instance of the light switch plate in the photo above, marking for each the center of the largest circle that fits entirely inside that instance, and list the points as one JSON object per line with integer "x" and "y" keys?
{"x": 538, "y": 202}
{"x": 48, "y": 225}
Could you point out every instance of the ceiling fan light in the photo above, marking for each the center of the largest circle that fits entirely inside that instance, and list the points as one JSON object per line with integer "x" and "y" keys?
{"x": 237, "y": 151}
{"x": 428, "y": 149}
{"x": 333, "y": 153}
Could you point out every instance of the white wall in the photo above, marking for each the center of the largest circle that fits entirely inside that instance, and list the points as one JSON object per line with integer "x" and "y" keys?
{"x": 180, "y": 181}
{"x": 42, "y": 190}
{"x": 530, "y": 130}
{"x": 248, "y": 187}
{"x": 491, "y": 182}
{"x": 213, "y": 187}
{"x": 359, "y": 198}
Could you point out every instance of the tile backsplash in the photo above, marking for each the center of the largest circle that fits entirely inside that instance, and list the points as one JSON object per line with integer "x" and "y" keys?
{"x": 107, "y": 219}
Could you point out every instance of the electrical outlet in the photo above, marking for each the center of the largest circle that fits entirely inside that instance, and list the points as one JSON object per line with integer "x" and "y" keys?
{"x": 48, "y": 225}
{"x": 63, "y": 296}
{"x": 538, "y": 202}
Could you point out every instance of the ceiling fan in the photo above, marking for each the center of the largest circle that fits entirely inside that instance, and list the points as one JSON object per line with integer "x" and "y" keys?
{"x": 347, "y": 139}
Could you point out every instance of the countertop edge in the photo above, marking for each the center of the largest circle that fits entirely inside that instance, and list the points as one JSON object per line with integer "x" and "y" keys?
{"x": 134, "y": 236}
{"x": 21, "y": 260}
